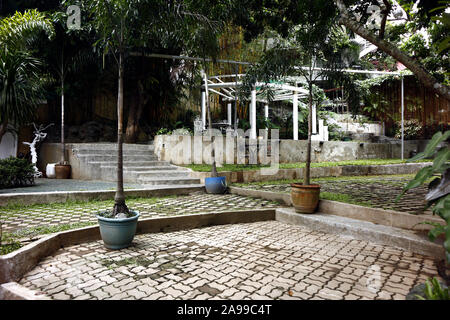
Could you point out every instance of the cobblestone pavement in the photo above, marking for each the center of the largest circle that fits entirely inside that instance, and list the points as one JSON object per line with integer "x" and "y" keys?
{"x": 23, "y": 218}
{"x": 379, "y": 192}
{"x": 263, "y": 260}
{"x": 51, "y": 185}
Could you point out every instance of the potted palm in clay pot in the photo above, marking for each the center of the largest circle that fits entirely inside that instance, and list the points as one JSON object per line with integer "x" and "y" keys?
{"x": 312, "y": 51}
{"x": 112, "y": 21}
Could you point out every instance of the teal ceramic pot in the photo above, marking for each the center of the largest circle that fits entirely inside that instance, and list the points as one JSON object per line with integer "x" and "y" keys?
{"x": 118, "y": 233}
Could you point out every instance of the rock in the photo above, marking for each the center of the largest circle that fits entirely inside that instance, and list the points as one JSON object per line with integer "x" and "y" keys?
{"x": 121, "y": 216}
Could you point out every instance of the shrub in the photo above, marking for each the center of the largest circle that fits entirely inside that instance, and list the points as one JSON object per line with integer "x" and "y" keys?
{"x": 438, "y": 196}
{"x": 15, "y": 172}
{"x": 413, "y": 129}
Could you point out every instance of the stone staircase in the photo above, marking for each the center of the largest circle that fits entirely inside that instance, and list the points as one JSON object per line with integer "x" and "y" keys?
{"x": 140, "y": 164}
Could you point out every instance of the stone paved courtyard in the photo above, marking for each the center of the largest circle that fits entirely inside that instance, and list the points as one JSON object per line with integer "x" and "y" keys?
{"x": 378, "y": 192}
{"x": 52, "y": 185}
{"x": 263, "y": 260}
{"x": 21, "y": 218}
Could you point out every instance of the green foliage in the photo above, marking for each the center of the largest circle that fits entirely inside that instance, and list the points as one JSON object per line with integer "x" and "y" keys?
{"x": 413, "y": 129}
{"x": 245, "y": 167}
{"x": 341, "y": 197}
{"x": 21, "y": 30}
{"x": 20, "y": 79}
{"x": 41, "y": 230}
{"x": 163, "y": 131}
{"x": 15, "y": 172}
{"x": 434, "y": 291}
{"x": 8, "y": 244}
{"x": 438, "y": 196}
{"x": 20, "y": 86}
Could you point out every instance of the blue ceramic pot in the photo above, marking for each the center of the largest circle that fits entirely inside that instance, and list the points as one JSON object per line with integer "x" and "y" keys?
{"x": 118, "y": 233}
{"x": 216, "y": 185}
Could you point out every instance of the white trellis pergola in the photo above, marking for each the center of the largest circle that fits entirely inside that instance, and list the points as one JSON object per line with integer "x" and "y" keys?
{"x": 283, "y": 92}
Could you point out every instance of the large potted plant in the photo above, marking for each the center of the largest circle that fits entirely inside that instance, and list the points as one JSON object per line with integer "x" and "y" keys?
{"x": 112, "y": 22}
{"x": 308, "y": 49}
{"x": 117, "y": 230}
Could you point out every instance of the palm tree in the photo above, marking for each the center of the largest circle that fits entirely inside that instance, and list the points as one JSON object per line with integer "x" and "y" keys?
{"x": 20, "y": 82}
{"x": 126, "y": 25}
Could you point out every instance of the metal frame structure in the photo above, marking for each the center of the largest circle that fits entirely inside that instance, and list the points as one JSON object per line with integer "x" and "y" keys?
{"x": 290, "y": 93}
{"x": 283, "y": 92}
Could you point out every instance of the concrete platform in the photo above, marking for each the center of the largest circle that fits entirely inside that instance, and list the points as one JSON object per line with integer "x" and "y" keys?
{"x": 363, "y": 230}
{"x": 63, "y": 196}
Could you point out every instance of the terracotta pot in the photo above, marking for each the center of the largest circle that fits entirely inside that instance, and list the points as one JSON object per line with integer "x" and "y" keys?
{"x": 62, "y": 171}
{"x": 305, "y": 198}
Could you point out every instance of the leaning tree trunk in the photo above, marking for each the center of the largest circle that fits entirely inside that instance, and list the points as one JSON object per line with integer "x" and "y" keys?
{"x": 135, "y": 113}
{"x": 63, "y": 144}
{"x": 213, "y": 149}
{"x": 119, "y": 199}
{"x": 424, "y": 76}
{"x": 213, "y": 138}
{"x": 307, "y": 178}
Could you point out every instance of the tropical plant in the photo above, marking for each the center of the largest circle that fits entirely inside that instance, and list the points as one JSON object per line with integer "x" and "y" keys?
{"x": 412, "y": 129}
{"x": 67, "y": 54}
{"x": 20, "y": 79}
{"x": 126, "y": 27}
{"x": 354, "y": 14}
{"x": 438, "y": 196}
{"x": 309, "y": 49}
{"x": 434, "y": 291}
{"x": 15, "y": 172}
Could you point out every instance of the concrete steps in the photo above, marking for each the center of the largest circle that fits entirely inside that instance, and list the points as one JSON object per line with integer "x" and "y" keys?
{"x": 168, "y": 181}
{"x": 113, "y": 158}
{"x": 140, "y": 165}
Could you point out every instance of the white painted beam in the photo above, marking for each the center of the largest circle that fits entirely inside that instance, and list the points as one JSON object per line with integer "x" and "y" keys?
{"x": 295, "y": 114}
{"x": 204, "y": 109}
{"x": 253, "y": 115}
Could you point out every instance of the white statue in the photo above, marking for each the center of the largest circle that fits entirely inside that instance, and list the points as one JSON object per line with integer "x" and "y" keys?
{"x": 39, "y": 135}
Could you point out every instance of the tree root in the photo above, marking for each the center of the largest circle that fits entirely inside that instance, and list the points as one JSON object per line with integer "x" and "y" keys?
{"x": 120, "y": 208}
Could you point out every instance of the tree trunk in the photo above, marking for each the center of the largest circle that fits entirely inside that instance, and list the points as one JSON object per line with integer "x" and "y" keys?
{"x": 213, "y": 138}
{"x": 119, "y": 199}
{"x": 63, "y": 145}
{"x": 424, "y": 76}
{"x": 307, "y": 178}
{"x": 134, "y": 115}
{"x": 3, "y": 129}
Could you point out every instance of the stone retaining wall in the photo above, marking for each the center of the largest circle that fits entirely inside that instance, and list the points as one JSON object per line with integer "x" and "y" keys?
{"x": 182, "y": 150}
{"x": 319, "y": 172}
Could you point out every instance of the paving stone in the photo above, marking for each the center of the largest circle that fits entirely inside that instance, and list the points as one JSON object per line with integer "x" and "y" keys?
{"x": 290, "y": 272}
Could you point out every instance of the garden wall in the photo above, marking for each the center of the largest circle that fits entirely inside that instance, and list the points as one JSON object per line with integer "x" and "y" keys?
{"x": 183, "y": 150}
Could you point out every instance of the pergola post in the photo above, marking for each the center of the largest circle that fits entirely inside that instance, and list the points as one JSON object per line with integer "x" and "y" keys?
{"x": 266, "y": 111}
{"x": 204, "y": 109}
{"x": 403, "y": 117}
{"x": 295, "y": 114}
{"x": 314, "y": 119}
{"x": 229, "y": 113}
{"x": 253, "y": 115}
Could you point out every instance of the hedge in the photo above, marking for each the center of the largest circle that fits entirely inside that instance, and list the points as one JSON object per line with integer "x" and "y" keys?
{"x": 15, "y": 172}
